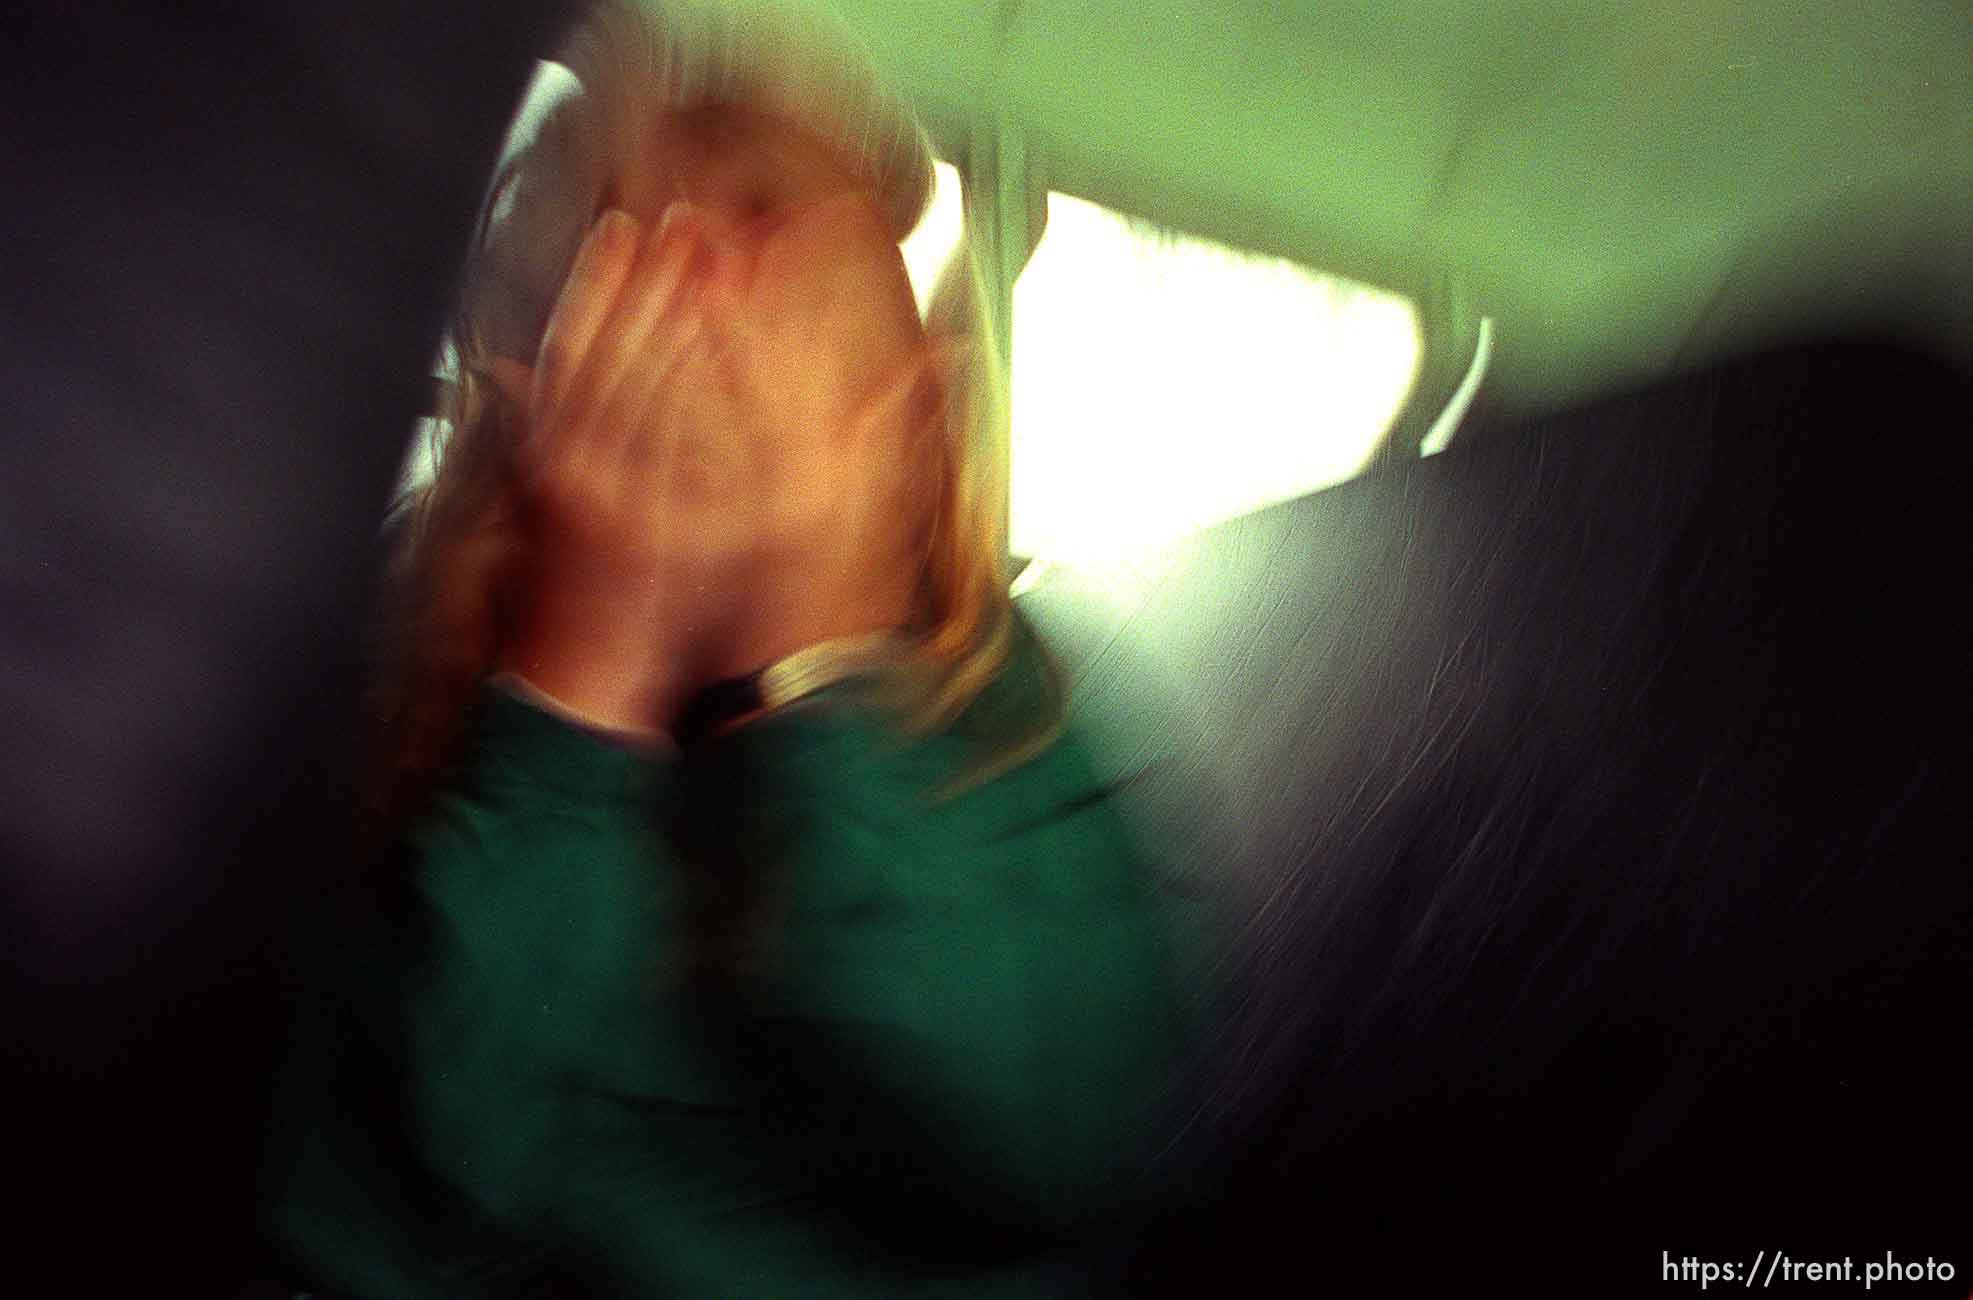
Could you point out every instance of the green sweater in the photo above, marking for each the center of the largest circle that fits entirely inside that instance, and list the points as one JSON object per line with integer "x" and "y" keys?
{"x": 948, "y": 1068}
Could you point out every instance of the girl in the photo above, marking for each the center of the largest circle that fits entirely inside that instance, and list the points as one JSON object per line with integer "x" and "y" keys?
{"x": 752, "y": 928}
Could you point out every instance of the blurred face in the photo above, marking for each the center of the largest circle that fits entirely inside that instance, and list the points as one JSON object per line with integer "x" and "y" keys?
{"x": 798, "y": 242}
{"x": 802, "y": 359}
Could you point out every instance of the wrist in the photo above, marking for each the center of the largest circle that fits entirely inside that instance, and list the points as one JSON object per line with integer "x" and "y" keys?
{"x": 652, "y": 740}
{"x": 609, "y": 666}
{"x": 592, "y": 694}
{"x": 734, "y": 702}
{"x": 798, "y": 618}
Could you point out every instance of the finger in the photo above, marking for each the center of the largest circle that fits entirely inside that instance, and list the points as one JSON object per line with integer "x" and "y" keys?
{"x": 651, "y": 463}
{"x": 650, "y": 412}
{"x": 515, "y": 383}
{"x": 645, "y": 342}
{"x": 588, "y": 296}
{"x": 512, "y": 380}
{"x": 907, "y": 400}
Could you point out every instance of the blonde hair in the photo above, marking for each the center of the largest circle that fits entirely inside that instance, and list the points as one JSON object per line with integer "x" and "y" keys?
{"x": 450, "y": 577}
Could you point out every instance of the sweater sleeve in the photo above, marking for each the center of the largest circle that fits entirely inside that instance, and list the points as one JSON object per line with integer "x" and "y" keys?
{"x": 974, "y": 1000}
{"x": 421, "y": 1115}
{"x": 956, "y": 1039}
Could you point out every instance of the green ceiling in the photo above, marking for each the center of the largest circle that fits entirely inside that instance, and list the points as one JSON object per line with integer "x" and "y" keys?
{"x": 1621, "y": 186}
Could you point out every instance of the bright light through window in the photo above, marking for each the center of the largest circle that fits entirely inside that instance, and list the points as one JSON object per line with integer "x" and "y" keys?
{"x": 1162, "y": 386}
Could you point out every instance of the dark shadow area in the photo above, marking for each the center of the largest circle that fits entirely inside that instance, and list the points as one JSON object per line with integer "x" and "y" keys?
{"x": 1586, "y": 809}
{"x": 228, "y": 238}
